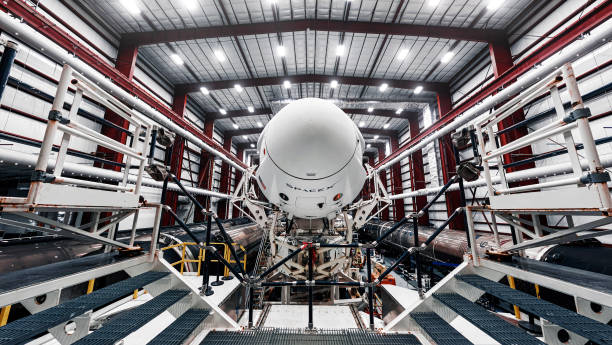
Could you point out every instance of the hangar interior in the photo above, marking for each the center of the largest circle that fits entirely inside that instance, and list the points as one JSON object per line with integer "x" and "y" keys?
{"x": 305, "y": 172}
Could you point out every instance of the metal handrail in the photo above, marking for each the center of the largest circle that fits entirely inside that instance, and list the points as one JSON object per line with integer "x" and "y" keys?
{"x": 202, "y": 256}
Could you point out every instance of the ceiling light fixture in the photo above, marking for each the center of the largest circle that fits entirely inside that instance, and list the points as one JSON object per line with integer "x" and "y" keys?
{"x": 219, "y": 55}
{"x": 418, "y": 89}
{"x": 333, "y": 84}
{"x": 369, "y": 145}
{"x": 204, "y": 90}
{"x": 340, "y": 50}
{"x": 399, "y": 111}
{"x": 386, "y": 125}
{"x": 252, "y": 145}
{"x": 494, "y": 4}
{"x": 238, "y": 88}
{"x": 244, "y": 137}
{"x": 223, "y": 111}
{"x": 281, "y": 51}
{"x": 447, "y": 57}
{"x": 402, "y": 54}
{"x": 361, "y": 123}
{"x": 177, "y": 59}
{"x": 376, "y": 137}
{"x": 259, "y": 124}
{"x": 250, "y": 109}
{"x": 287, "y": 84}
{"x": 433, "y": 3}
{"x": 370, "y": 109}
{"x": 131, "y": 6}
{"x": 235, "y": 125}
{"x": 383, "y": 87}
{"x": 190, "y": 4}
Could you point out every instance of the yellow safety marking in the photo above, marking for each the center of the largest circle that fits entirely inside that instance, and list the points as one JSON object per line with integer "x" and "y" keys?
{"x": 517, "y": 311}
{"x": 4, "y": 314}
{"x": 90, "y": 286}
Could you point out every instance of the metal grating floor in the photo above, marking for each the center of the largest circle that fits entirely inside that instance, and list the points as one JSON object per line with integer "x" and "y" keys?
{"x": 297, "y": 337}
{"x": 498, "y": 329}
{"x": 131, "y": 320}
{"x": 181, "y": 328}
{"x": 440, "y": 331}
{"x": 579, "y": 324}
{"x": 18, "y": 331}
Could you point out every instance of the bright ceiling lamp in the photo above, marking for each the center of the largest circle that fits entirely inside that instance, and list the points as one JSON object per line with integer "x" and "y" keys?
{"x": 399, "y": 111}
{"x": 418, "y": 90}
{"x": 287, "y": 84}
{"x": 369, "y": 145}
{"x": 401, "y": 55}
{"x": 259, "y": 124}
{"x": 219, "y": 55}
{"x": 238, "y": 88}
{"x": 361, "y": 124}
{"x": 494, "y": 4}
{"x": 383, "y": 87}
{"x": 333, "y": 84}
{"x": 131, "y": 6}
{"x": 386, "y": 125}
{"x": 252, "y": 145}
{"x": 370, "y": 109}
{"x": 244, "y": 137}
{"x": 447, "y": 56}
{"x": 433, "y": 3}
{"x": 190, "y": 4}
{"x": 235, "y": 125}
{"x": 204, "y": 90}
{"x": 250, "y": 109}
{"x": 177, "y": 59}
{"x": 281, "y": 51}
{"x": 376, "y": 137}
{"x": 223, "y": 111}
{"x": 340, "y": 50}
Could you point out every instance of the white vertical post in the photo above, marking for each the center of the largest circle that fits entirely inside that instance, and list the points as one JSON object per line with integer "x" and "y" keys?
{"x": 495, "y": 231}
{"x": 471, "y": 232}
{"x": 590, "y": 149}
{"x": 143, "y": 152}
{"x": 61, "y": 155}
{"x": 155, "y": 233}
{"x": 134, "y": 224}
{"x": 569, "y": 139}
{"x": 537, "y": 226}
{"x": 500, "y": 160}
{"x": 485, "y": 164}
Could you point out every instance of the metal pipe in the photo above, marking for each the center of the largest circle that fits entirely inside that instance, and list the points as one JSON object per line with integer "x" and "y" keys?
{"x": 370, "y": 288}
{"x": 6, "y": 63}
{"x": 206, "y": 276}
{"x": 310, "y": 278}
{"x": 439, "y": 229}
{"x": 228, "y": 242}
{"x": 570, "y": 53}
{"x": 250, "y": 307}
{"x": 39, "y": 42}
{"x": 452, "y": 180}
{"x": 388, "y": 232}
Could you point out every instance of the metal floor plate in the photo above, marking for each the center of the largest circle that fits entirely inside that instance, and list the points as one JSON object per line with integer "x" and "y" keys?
{"x": 297, "y": 337}
{"x": 131, "y": 320}
{"x": 181, "y": 328}
{"x": 496, "y": 328}
{"x": 440, "y": 331}
{"x": 579, "y": 324}
{"x": 18, "y": 331}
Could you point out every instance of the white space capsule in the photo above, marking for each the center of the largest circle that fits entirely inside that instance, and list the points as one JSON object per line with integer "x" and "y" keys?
{"x": 311, "y": 159}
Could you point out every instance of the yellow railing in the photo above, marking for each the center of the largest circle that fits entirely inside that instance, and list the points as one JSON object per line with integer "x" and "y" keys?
{"x": 202, "y": 255}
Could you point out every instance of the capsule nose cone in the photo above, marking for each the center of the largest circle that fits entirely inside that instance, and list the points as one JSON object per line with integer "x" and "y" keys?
{"x": 311, "y": 139}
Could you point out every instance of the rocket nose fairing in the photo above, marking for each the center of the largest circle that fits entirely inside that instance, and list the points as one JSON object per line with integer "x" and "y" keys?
{"x": 311, "y": 159}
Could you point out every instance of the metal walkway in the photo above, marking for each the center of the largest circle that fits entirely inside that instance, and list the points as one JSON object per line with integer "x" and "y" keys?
{"x": 496, "y": 328}
{"x": 133, "y": 319}
{"x": 28, "y": 327}
{"x": 296, "y": 337}
{"x": 440, "y": 332}
{"x": 181, "y": 328}
{"x": 579, "y": 324}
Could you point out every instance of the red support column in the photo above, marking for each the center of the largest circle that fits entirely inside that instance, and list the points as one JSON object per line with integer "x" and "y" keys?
{"x": 449, "y": 165}
{"x": 396, "y": 177}
{"x": 237, "y": 177}
{"x": 205, "y": 175}
{"x": 176, "y": 158}
{"x": 501, "y": 58}
{"x": 224, "y": 185}
{"x": 383, "y": 179}
{"x": 125, "y": 63}
{"x": 417, "y": 173}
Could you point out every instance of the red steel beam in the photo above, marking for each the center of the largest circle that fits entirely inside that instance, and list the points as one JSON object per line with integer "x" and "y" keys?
{"x": 205, "y": 174}
{"x": 587, "y": 22}
{"x": 456, "y": 33}
{"x": 46, "y": 27}
{"x": 312, "y": 78}
{"x": 417, "y": 175}
{"x": 356, "y": 111}
{"x": 224, "y": 183}
{"x": 384, "y": 215}
{"x": 257, "y": 130}
{"x": 179, "y": 104}
{"x": 396, "y": 186}
{"x": 237, "y": 178}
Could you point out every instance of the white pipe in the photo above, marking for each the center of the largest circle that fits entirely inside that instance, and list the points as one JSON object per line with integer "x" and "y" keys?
{"x": 556, "y": 183}
{"x": 34, "y": 39}
{"x": 24, "y": 159}
{"x": 523, "y": 175}
{"x": 598, "y": 37}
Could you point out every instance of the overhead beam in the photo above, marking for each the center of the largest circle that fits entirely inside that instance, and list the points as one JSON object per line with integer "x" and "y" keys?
{"x": 368, "y": 131}
{"x": 456, "y": 33}
{"x": 312, "y": 78}
{"x": 406, "y": 114}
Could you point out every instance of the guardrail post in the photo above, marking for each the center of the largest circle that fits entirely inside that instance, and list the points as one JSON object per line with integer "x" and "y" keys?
{"x": 417, "y": 257}
{"x": 311, "y": 279}
{"x": 370, "y": 288}
{"x": 206, "y": 289}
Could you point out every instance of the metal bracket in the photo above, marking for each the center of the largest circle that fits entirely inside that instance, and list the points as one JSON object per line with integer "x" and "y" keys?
{"x": 598, "y": 177}
{"x": 56, "y": 115}
{"x": 42, "y": 176}
{"x": 577, "y": 114}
